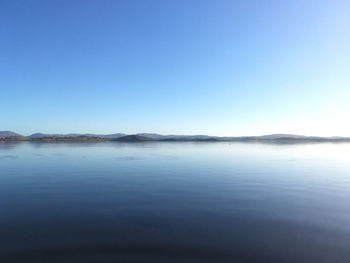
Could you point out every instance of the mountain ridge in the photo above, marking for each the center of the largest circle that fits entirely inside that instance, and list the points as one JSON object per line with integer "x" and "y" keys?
{"x": 9, "y": 135}
{"x": 72, "y": 135}
{"x": 5, "y": 134}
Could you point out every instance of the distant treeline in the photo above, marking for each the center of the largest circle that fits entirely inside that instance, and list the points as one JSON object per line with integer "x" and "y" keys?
{"x": 280, "y": 138}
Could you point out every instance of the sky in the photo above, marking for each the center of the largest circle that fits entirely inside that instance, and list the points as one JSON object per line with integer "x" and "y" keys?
{"x": 216, "y": 67}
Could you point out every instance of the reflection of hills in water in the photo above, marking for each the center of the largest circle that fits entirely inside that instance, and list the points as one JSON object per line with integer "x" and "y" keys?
{"x": 8, "y": 156}
{"x": 4, "y": 145}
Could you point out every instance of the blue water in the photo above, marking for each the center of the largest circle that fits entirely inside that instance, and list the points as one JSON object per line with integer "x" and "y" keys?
{"x": 174, "y": 202}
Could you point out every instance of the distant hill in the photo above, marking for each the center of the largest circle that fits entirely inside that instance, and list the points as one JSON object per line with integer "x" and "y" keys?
{"x": 6, "y": 134}
{"x": 133, "y": 138}
{"x": 279, "y": 136}
{"x": 67, "y": 139}
{"x": 110, "y": 136}
{"x": 141, "y": 137}
{"x": 175, "y": 137}
{"x": 74, "y": 135}
{"x": 43, "y": 135}
{"x": 152, "y": 135}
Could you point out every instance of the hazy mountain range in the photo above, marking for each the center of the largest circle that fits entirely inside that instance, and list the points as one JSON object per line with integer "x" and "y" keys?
{"x": 9, "y": 135}
{"x": 4, "y": 134}
{"x": 72, "y": 135}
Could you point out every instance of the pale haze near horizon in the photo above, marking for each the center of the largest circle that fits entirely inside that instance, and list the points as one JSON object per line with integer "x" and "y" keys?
{"x": 225, "y": 68}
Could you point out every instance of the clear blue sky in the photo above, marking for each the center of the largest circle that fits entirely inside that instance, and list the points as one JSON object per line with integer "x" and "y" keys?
{"x": 175, "y": 67}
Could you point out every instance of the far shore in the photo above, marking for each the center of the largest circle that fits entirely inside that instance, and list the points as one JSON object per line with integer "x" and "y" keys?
{"x": 144, "y": 139}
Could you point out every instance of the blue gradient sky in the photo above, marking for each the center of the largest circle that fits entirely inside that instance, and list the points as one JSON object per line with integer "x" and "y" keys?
{"x": 175, "y": 67}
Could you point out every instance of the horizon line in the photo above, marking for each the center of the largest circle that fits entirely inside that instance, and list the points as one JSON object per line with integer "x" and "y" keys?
{"x": 160, "y": 134}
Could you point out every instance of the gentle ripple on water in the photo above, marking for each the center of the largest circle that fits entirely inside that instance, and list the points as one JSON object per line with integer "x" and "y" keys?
{"x": 174, "y": 202}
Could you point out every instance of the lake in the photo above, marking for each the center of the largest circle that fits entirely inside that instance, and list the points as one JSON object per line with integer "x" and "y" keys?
{"x": 174, "y": 202}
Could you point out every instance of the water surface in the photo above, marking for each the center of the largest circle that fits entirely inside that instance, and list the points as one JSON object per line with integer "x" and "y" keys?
{"x": 174, "y": 202}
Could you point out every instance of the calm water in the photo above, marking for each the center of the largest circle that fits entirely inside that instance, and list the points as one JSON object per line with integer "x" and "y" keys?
{"x": 174, "y": 202}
